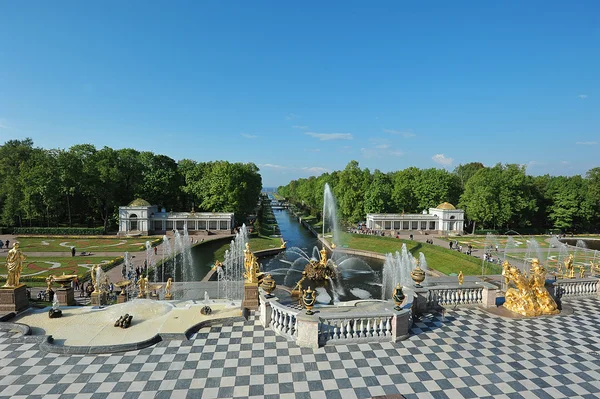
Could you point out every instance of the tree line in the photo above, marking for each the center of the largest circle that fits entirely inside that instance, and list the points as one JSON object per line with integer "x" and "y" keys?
{"x": 84, "y": 186}
{"x": 500, "y": 197}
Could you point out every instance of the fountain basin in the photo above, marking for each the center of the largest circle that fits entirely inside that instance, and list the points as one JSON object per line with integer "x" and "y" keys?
{"x": 93, "y": 327}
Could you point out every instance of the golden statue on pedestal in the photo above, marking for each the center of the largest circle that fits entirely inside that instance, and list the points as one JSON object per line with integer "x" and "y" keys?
{"x": 569, "y": 269}
{"x": 251, "y": 266}
{"x": 461, "y": 278}
{"x": 529, "y": 297}
{"x": 594, "y": 268}
{"x": 14, "y": 265}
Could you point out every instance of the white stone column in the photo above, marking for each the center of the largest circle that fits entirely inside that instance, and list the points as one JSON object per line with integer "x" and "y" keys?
{"x": 308, "y": 331}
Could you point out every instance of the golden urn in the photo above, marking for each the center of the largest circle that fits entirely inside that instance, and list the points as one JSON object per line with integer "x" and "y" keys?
{"x": 398, "y": 297}
{"x": 122, "y": 285}
{"x": 268, "y": 285}
{"x": 308, "y": 299}
{"x": 418, "y": 276}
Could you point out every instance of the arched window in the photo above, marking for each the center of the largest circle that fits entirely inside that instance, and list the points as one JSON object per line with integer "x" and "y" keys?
{"x": 133, "y": 223}
{"x": 451, "y": 217}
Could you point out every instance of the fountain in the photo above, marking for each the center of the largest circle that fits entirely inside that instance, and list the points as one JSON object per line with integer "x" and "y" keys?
{"x": 231, "y": 275}
{"x": 396, "y": 270}
{"x": 330, "y": 215}
{"x": 167, "y": 253}
{"x": 533, "y": 252}
{"x": 490, "y": 245}
{"x": 150, "y": 257}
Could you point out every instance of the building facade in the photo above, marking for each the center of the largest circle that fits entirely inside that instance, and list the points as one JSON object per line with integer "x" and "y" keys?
{"x": 142, "y": 218}
{"x": 444, "y": 218}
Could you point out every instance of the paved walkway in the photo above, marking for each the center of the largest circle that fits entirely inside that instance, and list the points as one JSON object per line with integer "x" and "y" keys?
{"x": 466, "y": 354}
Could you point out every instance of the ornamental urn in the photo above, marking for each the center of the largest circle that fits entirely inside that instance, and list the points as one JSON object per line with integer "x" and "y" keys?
{"x": 398, "y": 297}
{"x": 268, "y": 285}
{"x": 418, "y": 275}
{"x": 308, "y": 299}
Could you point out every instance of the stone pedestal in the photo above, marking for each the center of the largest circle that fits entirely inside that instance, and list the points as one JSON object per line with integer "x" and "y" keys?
{"x": 250, "y": 296}
{"x": 98, "y": 299}
{"x": 154, "y": 297}
{"x": 13, "y": 299}
{"x": 121, "y": 298}
{"x": 308, "y": 331}
{"x": 168, "y": 297}
{"x": 66, "y": 296}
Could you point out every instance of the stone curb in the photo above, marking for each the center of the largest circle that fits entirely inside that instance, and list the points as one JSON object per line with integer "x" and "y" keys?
{"x": 20, "y": 328}
{"x": 49, "y": 347}
{"x": 47, "y": 342}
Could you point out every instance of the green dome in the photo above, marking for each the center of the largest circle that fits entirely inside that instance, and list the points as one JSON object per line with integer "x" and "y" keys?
{"x": 139, "y": 202}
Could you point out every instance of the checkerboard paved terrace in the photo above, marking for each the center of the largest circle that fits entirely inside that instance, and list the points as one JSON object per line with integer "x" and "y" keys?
{"x": 467, "y": 353}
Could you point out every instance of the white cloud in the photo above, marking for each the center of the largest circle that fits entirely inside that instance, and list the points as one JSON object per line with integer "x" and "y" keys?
{"x": 586, "y": 143}
{"x": 249, "y": 136}
{"x": 330, "y": 136}
{"x": 308, "y": 170}
{"x": 405, "y": 134}
{"x": 312, "y": 150}
{"x": 582, "y": 96}
{"x": 565, "y": 162}
{"x": 3, "y": 124}
{"x": 291, "y": 116}
{"x": 316, "y": 170}
{"x": 442, "y": 159}
{"x": 381, "y": 150}
{"x": 300, "y": 127}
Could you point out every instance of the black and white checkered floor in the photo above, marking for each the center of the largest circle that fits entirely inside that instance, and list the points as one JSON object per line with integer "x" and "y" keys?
{"x": 467, "y": 353}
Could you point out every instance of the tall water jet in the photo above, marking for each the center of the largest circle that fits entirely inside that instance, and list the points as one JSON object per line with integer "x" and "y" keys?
{"x": 177, "y": 251}
{"x": 396, "y": 270}
{"x": 231, "y": 279}
{"x": 150, "y": 259}
{"x": 186, "y": 258}
{"x": 490, "y": 246}
{"x": 533, "y": 251}
{"x": 167, "y": 253}
{"x": 510, "y": 244}
{"x": 330, "y": 222}
{"x": 580, "y": 252}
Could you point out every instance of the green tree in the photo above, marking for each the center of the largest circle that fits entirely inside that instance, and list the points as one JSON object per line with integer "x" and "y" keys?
{"x": 378, "y": 196}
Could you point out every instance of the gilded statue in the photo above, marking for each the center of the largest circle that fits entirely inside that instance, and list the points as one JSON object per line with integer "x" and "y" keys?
{"x": 142, "y": 287}
{"x": 569, "y": 269}
{"x": 323, "y": 261}
{"x": 14, "y": 265}
{"x": 529, "y": 296}
{"x": 49, "y": 281}
{"x": 168, "y": 288}
{"x": 250, "y": 265}
{"x": 461, "y": 278}
{"x": 594, "y": 268}
{"x": 537, "y": 282}
{"x": 94, "y": 276}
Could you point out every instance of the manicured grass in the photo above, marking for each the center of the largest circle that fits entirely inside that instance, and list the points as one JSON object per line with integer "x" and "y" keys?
{"x": 438, "y": 258}
{"x": 58, "y": 244}
{"x": 478, "y": 242}
{"x": 256, "y": 244}
{"x": 44, "y": 266}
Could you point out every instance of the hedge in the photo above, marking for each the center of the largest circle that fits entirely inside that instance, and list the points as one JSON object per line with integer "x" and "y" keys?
{"x": 83, "y": 231}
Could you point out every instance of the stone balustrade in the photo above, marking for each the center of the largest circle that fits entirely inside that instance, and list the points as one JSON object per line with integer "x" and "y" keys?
{"x": 477, "y": 293}
{"x": 569, "y": 288}
{"x": 356, "y": 321}
{"x": 284, "y": 321}
{"x": 360, "y": 328}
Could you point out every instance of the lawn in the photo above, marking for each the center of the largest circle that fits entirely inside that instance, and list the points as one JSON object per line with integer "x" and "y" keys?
{"x": 56, "y": 244}
{"x": 36, "y": 268}
{"x": 478, "y": 242}
{"x": 256, "y": 244}
{"x": 438, "y": 258}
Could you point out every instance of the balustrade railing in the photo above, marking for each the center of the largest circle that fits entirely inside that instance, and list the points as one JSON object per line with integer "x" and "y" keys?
{"x": 283, "y": 320}
{"x": 455, "y": 296}
{"x": 341, "y": 328}
{"x": 575, "y": 288}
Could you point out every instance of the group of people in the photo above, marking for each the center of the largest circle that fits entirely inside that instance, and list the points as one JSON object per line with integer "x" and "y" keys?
{"x": 2, "y": 245}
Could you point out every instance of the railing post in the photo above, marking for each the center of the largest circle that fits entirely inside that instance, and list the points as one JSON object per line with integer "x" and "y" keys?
{"x": 598, "y": 287}
{"x": 265, "y": 311}
{"x": 401, "y": 324}
{"x": 308, "y": 331}
{"x": 488, "y": 294}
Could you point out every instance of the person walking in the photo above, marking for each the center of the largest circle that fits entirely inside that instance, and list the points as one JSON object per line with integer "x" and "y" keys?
{"x": 1, "y": 244}
{"x": 73, "y": 251}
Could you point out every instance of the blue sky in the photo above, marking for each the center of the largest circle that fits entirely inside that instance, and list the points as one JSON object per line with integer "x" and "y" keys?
{"x": 305, "y": 87}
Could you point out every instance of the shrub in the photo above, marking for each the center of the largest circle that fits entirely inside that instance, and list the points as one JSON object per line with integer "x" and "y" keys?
{"x": 83, "y": 231}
